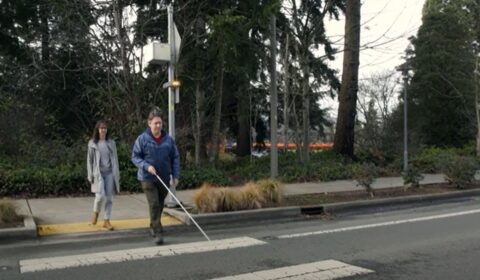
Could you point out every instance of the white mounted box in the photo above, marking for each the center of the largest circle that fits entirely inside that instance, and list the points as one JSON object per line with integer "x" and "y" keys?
{"x": 156, "y": 53}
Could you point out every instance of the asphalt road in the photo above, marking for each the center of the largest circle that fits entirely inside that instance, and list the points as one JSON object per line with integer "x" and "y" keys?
{"x": 440, "y": 241}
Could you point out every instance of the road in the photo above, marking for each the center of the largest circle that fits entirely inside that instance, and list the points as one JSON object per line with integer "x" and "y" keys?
{"x": 440, "y": 241}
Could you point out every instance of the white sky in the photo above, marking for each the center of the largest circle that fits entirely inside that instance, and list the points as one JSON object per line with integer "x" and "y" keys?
{"x": 386, "y": 27}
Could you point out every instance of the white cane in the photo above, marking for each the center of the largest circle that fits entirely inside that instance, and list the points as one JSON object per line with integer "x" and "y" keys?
{"x": 179, "y": 203}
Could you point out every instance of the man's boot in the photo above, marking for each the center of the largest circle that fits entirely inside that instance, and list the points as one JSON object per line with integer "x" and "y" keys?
{"x": 158, "y": 238}
{"x": 94, "y": 218}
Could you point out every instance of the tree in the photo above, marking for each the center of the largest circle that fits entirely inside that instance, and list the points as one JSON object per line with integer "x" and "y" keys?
{"x": 442, "y": 87}
{"x": 308, "y": 32}
{"x": 345, "y": 129}
{"x": 376, "y": 102}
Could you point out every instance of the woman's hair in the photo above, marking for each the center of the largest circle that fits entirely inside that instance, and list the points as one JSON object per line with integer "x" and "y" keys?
{"x": 95, "y": 135}
{"x": 155, "y": 113}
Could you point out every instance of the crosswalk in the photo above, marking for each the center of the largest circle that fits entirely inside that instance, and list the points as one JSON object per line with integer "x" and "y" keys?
{"x": 52, "y": 263}
{"x": 324, "y": 269}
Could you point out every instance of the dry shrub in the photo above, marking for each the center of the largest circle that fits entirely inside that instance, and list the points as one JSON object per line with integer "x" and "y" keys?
{"x": 263, "y": 193}
{"x": 271, "y": 191}
{"x": 206, "y": 199}
{"x": 8, "y": 212}
{"x": 253, "y": 197}
{"x": 232, "y": 199}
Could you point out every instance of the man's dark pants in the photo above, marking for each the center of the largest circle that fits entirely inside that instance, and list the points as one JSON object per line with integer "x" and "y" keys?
{"x": 155, "y": 193}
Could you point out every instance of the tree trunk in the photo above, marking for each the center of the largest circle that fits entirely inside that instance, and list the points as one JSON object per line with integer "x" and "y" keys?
{"x": 344, "y": 134}
{"x": 198, "y": 133}
{"x": 218, "y": 114}
{"x": 199, "y": 116}
{"x": 127, "y": 83}
{"x": 298, "y": 138}
{"x": 285, "y": 96}
{"x": 306, "y": 115}
{"x": 45, "y": 33}
{"x": 243, "y": 135}
{"x": 476, "y": 76}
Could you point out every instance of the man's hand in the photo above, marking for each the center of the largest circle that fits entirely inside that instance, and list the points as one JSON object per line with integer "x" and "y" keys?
{"x": 174, "y": 182}
{"x": 152, "y": 170}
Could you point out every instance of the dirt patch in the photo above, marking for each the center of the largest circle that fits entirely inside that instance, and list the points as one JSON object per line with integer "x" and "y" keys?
{"x": 322, "y": 198}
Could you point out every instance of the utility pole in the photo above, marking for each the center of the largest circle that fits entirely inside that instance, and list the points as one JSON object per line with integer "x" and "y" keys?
{"x": 171, "y": 73}
{"x": 273, "y": 101}
{"x": 405, "y": 124}
{"x": 172, "y": 91}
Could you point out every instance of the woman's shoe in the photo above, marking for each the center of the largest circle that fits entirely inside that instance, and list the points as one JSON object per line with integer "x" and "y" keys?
{"x": 94, "y": 218}
{"x": 107, "y": 225}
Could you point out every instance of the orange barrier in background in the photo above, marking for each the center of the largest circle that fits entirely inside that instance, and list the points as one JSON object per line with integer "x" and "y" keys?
{"x": 313, "y": 146}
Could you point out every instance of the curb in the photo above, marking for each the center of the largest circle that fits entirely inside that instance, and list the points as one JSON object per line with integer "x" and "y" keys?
{"x": 298, "y": 212}
{"x": 345, "y": 207}
{"x": 290, "y": 213}
{"x": 28, "y": 231}
{"x": 210, "y": 219}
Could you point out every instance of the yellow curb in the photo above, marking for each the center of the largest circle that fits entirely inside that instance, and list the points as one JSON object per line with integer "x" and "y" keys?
{"x": 55, "y": 229}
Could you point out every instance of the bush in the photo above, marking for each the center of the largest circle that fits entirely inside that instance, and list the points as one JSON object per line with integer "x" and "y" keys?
{"x": 205, "y": 199}
{"x": 35, "y": 181}
{"x": 460, "y": 170}
{"x": 8, "y": 212}
{"x": 412, "y": 176}
{"x": 334, "y": 171}
{"x": 432, "y": 160}
{"x": 365, "y": 175}
{"x": 297, "y": 172}
{"x": 196, "y": 176}
{"x": 264, "y": 193}
{"x": 271, "y": 191}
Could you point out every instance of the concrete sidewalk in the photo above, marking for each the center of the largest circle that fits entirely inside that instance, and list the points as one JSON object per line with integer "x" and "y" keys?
{"x": 130, "y": 211}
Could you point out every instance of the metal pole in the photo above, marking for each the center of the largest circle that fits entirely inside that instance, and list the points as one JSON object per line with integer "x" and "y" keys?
{"x": 171, "y": 73}
{"x": 170, "y": 202}
{"x": 273, "y": 103}
{"x": 405, "y": 126}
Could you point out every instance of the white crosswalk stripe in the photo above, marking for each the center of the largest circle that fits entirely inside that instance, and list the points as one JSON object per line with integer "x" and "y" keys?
{"x": 322, "y": 270}
{"x": 42, "y": 264}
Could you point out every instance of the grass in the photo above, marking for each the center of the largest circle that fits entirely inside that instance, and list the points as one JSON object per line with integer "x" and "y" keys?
{"x": 268, "y": 193}
{"x": 8, "y": 214}
{"x": 253, "y": 195}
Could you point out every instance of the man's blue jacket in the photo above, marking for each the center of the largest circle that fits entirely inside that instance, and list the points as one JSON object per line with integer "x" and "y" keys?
{"x": 163, "y": 156}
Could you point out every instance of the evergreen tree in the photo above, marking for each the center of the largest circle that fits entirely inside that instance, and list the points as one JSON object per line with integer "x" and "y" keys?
{"x": 441, "y": 92}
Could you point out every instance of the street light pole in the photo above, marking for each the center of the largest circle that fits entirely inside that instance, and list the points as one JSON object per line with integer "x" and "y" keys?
{"x": 171, "y": 73}
{"x": 273, "y": 102}
{"x": 170, "y": 201}
{"x": 405, "y": 125}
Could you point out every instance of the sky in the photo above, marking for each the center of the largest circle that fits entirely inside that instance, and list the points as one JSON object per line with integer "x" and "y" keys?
{"x": 386, "y": 27}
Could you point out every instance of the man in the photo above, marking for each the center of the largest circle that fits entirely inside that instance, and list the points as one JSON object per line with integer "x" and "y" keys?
{"x": 155, "y": 153}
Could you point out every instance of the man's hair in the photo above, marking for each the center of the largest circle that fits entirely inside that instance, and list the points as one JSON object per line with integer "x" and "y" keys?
{"x": 155, "y": 113}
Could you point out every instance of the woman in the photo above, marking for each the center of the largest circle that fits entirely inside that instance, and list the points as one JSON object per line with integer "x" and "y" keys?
{"x": 103, "y": 173}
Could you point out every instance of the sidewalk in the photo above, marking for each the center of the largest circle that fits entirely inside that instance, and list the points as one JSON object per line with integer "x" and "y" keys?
{"x": 53, "y": 216}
